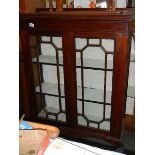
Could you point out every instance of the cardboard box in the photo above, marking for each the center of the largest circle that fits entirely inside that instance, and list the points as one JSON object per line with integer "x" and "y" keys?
{"x": 33, "y": 142}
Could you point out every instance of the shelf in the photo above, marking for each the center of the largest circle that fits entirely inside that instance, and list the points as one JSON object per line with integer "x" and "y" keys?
{"x": 50, "y": 89}
{"x": 87, "y": 63}
{"x": 91, "y": 95}
{"x": 47, "y": 59}
{"x": 94, "y": 63}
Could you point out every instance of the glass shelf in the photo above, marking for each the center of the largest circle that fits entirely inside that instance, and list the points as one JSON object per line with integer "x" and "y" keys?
{"x": 50, "y": 89}
{"x": 47, "y": 59}
{"x": 91, "y": 95}
{"x": 87, "y": 63}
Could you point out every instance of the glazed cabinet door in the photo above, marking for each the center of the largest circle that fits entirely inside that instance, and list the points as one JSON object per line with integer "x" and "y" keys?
{"x": 44, "y": 62}
{"x": 101, "y": 70}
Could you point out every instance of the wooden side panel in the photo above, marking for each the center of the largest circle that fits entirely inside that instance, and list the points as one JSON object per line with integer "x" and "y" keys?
{"x": 24, "y": 93}
{"x": 120, "y": 76}
{"x": 130, "y": 123}
{"x": 28, "y": 73}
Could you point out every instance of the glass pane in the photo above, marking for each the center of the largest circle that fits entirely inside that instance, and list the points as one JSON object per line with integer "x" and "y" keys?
{"x": 94, "y": 70}
{"x": 47, "y": 62}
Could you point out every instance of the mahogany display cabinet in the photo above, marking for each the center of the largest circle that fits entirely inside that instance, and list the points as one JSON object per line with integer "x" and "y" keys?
{"x": 76, "y": 66}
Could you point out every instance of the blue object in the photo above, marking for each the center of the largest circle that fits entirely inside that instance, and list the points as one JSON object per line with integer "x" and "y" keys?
{"x": 25, "y": 125}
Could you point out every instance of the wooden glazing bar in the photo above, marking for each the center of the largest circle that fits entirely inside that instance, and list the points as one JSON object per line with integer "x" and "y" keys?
{"x": 56, "y": 118}
{"x": 53, "y": 64}
{"x": 44, "y": 100}
{"x": 94, "y": 101}
{"x": 82, "y": 82}
{"x": 91, "y": 101}
{"x": 98, "y": 125}
{"x": 95, "y": 122}
{"x": 39, "y": 75}
{"x": 93, "y": 45}
{"x": 100, "y": 42}
{"x": 105, "y": 119}
{"x": 39, "y": 53}
{"x": 102, "y": 69}
{"x": 105, "y": 82}
{"x": 87, "y": 42}
{"x": 50, "y": 113}
{"x": 52, "y": 95}
{"x": 87, "y": 120}
{"x": 92, "y": 68}
{"x": 58, "y": 78}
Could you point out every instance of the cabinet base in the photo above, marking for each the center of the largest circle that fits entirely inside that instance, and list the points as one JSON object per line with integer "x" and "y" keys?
{"x": 90, "y": 136}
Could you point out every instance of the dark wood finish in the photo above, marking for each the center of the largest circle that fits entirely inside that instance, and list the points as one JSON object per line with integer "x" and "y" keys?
{"x": 29, "y": 6}
{"x": 22, "y": 6}
{"x": 130, "y": 123}
{"x": 24, "y": 104}
{"x": 82, "y": 133}
{"x": 70, "y": 78}
{"x": 111, "y": 5}
{"x": 28, "y": 81}
{"x": 119, "y": 83}
{"x": 26, "y": 6}
{"x": 59, "y": 6}
{"x": 95, "y": 24}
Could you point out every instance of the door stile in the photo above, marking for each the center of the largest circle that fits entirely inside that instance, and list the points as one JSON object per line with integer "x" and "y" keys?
{"x": 70, "y": 78}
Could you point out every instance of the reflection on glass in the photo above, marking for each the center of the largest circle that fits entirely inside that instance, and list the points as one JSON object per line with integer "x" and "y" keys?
{"x": 87, "y": 3}
{"x": 111, "y": 5}
{"x": 101, "y": 4}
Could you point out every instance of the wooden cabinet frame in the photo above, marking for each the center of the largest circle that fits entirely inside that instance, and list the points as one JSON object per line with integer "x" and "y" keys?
{"x": 71, "y": 24}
